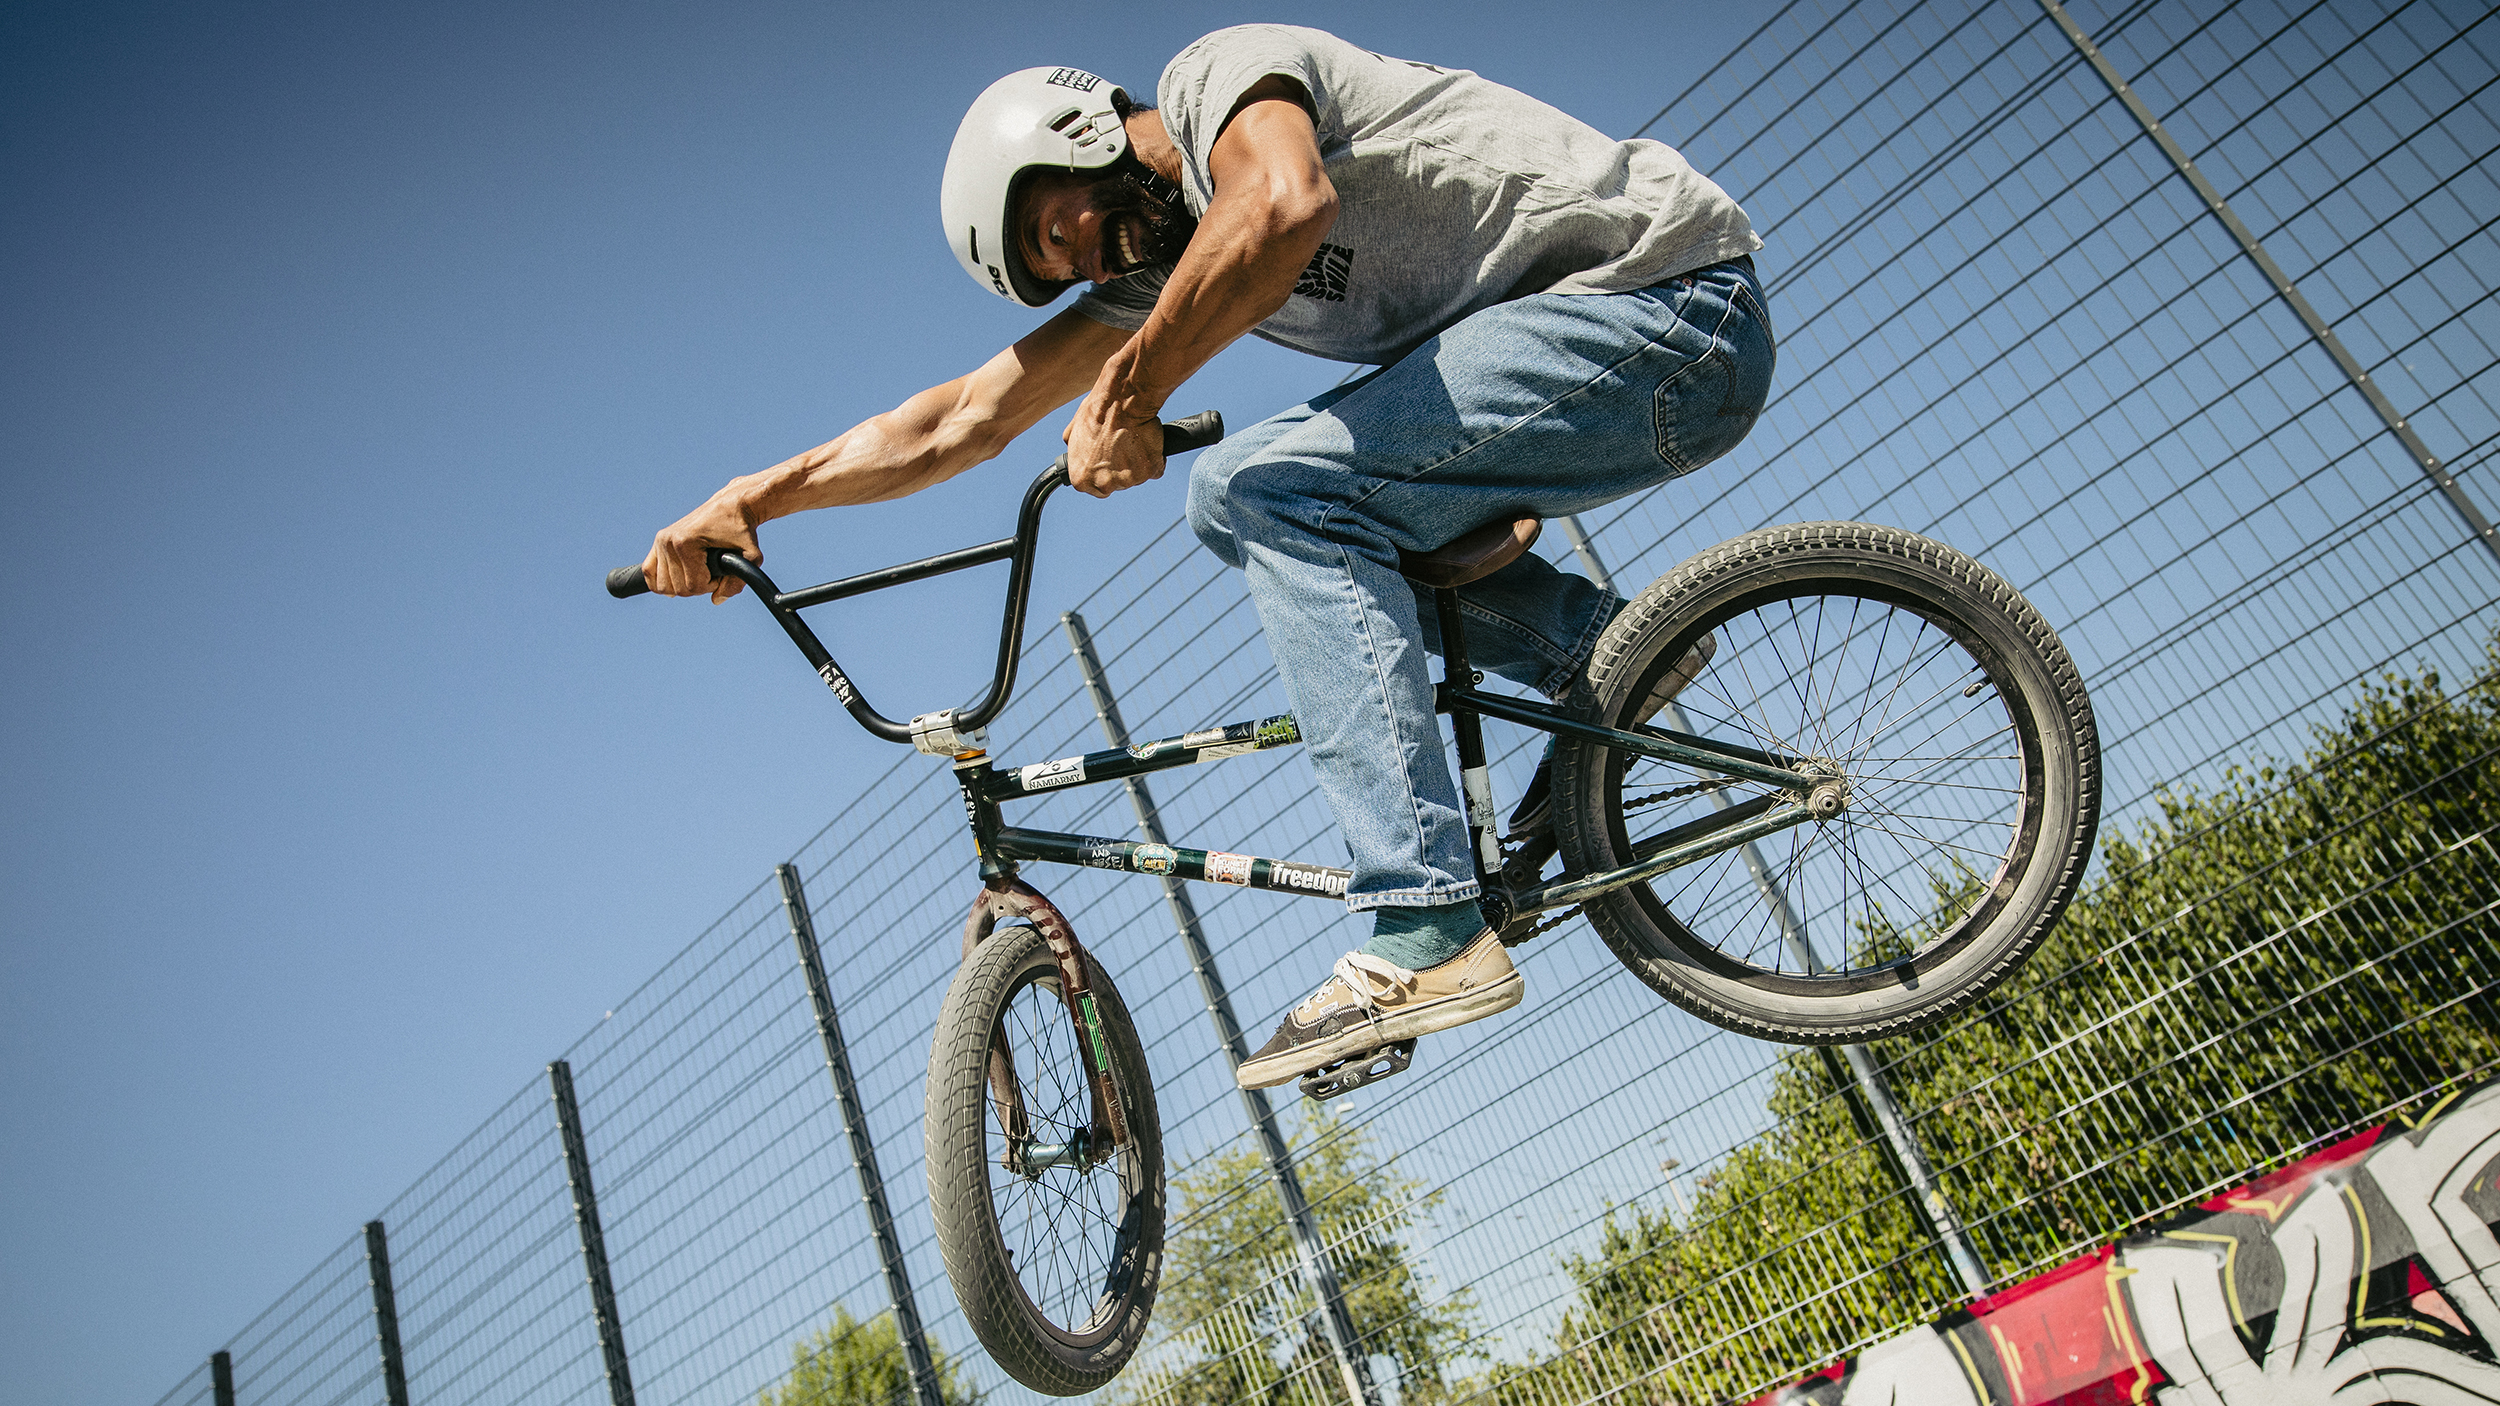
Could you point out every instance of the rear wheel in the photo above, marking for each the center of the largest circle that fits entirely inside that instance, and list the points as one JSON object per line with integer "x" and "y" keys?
{"x": 1953, "y": 732}
{"x": 1054, "y": 1243}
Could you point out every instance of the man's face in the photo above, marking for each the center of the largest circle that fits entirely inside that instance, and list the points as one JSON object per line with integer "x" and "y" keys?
{"x": 1090, "y": 227}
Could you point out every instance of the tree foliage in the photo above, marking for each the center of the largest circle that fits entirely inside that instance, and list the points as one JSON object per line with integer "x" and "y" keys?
{"x": 850, "y": 1363}
{"x": 1240, "y": 1323}
{"x": 2298, "y": 952}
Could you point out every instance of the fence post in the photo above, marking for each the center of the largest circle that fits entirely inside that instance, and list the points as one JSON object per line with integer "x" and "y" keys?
{"x": 1907, "y": 1159}
{"x": 1336, "y": 1324}
{"x": 221, "y": 1377}
{"x": 924, "y": 1379}
{"x": 385, "y": 1314}
{"x": 2475, "y": 523}
{"x": 594, "y": 1244}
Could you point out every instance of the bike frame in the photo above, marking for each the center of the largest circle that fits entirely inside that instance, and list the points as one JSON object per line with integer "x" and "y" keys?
{"x": 959, "y": 735}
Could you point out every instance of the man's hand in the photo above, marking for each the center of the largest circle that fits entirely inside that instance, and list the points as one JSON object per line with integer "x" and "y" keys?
{"x": 676, "y": 566}
{"x": 1111, "y": 448}
{"x": 1273, "y": 201}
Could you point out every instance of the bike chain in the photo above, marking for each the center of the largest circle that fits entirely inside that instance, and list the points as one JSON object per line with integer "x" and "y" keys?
{"x": 1716, "y": 783}
{"x": 1549, "y": 924}
{"x": 1698, "y": 788}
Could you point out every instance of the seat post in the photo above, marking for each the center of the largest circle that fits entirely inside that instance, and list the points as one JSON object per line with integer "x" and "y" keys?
{"x": 1474, "y": 778}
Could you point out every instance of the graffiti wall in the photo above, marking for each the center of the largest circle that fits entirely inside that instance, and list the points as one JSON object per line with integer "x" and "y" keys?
{"x": 2365, "y": 1273}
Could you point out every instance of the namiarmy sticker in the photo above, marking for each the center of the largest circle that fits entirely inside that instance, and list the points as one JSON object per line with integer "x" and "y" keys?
{"x": 1043, "y": 776}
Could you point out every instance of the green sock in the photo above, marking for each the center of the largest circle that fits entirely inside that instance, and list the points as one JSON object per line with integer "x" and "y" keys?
{"x": 1416, "y": 938}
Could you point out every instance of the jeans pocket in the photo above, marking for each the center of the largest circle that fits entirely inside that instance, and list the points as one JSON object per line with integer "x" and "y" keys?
{"x": 1707, "y": 407}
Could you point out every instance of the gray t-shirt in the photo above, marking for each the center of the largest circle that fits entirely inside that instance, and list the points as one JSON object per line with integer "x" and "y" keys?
{"x": 1453, "y": 193}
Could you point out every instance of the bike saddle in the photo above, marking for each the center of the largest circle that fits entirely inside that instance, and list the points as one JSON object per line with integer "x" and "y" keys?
{"x": 1472, "y": 556}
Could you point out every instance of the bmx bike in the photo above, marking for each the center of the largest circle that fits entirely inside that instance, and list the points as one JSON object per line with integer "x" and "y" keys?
{"x": 1876, "y": 792}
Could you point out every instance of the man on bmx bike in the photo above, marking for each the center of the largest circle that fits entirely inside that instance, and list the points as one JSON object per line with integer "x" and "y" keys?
{"x": 1559, "y": 319}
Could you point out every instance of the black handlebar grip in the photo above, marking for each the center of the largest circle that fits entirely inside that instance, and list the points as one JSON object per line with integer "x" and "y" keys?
{"x": 1196, "y": 432}
{"x": 627, "y": 581}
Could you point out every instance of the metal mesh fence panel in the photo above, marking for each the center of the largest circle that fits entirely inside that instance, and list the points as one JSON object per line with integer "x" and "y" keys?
{"x": 316, "y": 1343}
{"x": 487, "y": 1269}
{"x": 2007, "y": 321}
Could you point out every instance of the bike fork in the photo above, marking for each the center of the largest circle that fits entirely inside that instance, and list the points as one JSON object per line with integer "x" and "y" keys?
{"x": 1005, "y": 895}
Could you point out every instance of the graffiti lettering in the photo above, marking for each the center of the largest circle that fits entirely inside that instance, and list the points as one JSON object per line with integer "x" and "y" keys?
{"x": 2364, "y": 1273}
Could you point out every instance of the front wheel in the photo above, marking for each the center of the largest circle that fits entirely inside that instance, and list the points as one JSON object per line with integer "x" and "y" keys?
{"x": 1054, "y": 1242}
{"x": 1930, "y": 702}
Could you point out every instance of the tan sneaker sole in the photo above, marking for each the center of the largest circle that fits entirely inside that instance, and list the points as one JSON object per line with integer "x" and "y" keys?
{"x": 1423, "y": 1018}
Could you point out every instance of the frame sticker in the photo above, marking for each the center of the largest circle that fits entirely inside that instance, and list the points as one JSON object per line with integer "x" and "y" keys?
{"x": 1154, "y": 859}
{"x": 1308, "y": 878}
{"x": 1043, "y": 776}
{"x": 841, "y": 686}
{"x": 1228, "y": 868}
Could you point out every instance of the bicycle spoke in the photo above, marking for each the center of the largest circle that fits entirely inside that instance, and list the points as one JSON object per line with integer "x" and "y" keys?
{"x": 1905, "y": 837}
{"x": 1935, "y": 794}
{"x": 1063, "y": 1225}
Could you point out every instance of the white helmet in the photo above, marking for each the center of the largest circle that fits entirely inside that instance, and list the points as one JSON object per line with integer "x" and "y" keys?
{"x": 1038, "y": 119}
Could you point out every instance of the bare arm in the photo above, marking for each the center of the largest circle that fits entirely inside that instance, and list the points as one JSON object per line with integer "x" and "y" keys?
{"x": 928, "y": 439}
{"x": 1273, "y": 202}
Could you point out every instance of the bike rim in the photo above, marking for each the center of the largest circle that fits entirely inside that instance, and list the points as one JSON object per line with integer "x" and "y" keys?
{"x": 1926, "y": 726}
{"x": 1070, "y": 1231}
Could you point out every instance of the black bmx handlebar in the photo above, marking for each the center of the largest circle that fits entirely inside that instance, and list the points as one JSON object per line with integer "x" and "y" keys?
{"x": 1179, "y": 436}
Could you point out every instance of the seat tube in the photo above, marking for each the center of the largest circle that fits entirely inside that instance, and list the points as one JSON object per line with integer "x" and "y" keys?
{"x": 1475, "y": 780}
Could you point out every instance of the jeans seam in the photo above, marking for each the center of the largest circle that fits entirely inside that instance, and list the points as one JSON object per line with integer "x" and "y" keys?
{"x": 1676, "y": 461}
{"x": 1414, "y": 897}
{"x": 1520, "y": 628}
{"x": 1371, "y": 646}
{"x": 1586, "y": 645}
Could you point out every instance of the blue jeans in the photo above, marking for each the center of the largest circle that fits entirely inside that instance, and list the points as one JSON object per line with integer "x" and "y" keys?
{"x": 1549, "y": 404}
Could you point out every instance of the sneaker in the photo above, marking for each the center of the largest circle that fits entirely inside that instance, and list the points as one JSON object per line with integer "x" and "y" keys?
{"x": 1536, "y": 805}
{"x": 1370, "y": 1001}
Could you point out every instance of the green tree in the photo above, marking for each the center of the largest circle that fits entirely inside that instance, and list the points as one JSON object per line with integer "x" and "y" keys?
{"x": 850, "y": 1363}
{"x": 1239, "y": 1324}
{"x": 2300, "y": 952}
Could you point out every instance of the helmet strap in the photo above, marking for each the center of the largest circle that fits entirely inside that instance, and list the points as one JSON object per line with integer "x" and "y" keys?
{"x": 1169, "y": 224}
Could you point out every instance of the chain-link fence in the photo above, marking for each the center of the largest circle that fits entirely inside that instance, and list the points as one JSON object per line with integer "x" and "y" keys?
{"x": 2010, "y": 319}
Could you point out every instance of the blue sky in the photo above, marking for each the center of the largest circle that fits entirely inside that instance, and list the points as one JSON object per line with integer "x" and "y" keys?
{"x": 344, "y": 347}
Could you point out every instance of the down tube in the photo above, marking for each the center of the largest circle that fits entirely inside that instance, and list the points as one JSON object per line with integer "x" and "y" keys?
{"x": 1210, "y": 866}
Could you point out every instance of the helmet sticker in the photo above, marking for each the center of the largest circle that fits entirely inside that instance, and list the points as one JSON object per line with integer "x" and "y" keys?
{"x": 1076, "y": 78}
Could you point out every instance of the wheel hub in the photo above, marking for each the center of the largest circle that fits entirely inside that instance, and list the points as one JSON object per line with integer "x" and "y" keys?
{"x": 1031, "y": 1159}
{"x": 1830, "y": 794}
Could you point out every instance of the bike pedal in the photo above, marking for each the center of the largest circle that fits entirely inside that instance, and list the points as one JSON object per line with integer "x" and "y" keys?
{"x": 1354, "y": 1071}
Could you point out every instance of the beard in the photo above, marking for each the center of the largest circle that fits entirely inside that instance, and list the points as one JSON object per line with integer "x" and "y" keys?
{"x": 1144, "y": 218}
